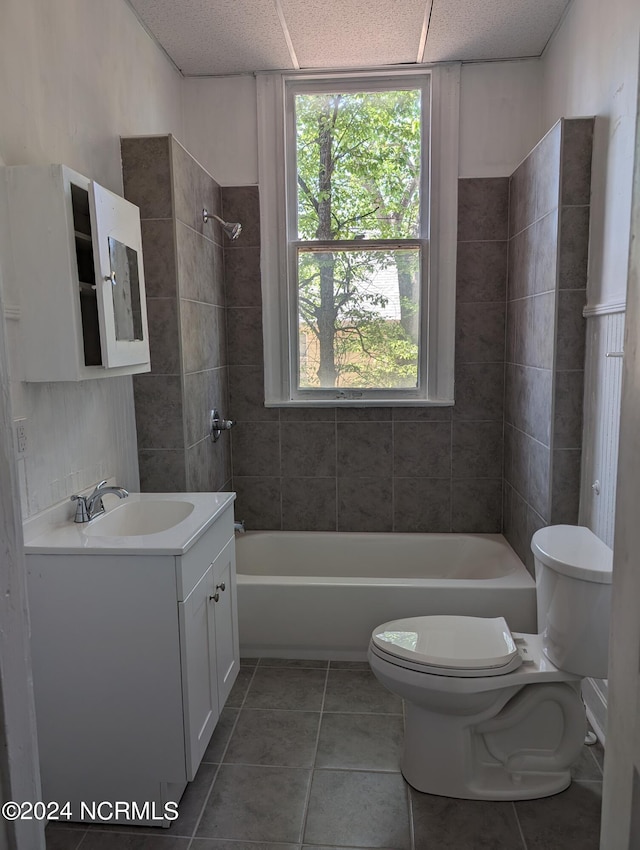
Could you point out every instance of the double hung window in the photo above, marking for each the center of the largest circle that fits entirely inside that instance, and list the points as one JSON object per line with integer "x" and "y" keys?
{"x": 352, "y": 313}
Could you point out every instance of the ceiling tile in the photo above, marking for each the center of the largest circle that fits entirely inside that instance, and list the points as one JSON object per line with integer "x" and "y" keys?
{"x": 351, "y": 33}
{"x": 490, "y": 29}
{"x": 217, "y": 36}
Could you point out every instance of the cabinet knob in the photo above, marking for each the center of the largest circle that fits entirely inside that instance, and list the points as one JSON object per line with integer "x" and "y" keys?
{"x": 220, "y": 586}
{"x": 215, "y": 597}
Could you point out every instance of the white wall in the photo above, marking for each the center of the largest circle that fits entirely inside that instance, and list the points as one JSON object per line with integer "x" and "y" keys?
{"x": 591, "y": 68}
{"x": 500, "y": 114}
{"x": 74, "y": 76}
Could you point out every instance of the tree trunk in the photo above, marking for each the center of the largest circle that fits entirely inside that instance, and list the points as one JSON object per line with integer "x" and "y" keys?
{"x": 327, "y": 372}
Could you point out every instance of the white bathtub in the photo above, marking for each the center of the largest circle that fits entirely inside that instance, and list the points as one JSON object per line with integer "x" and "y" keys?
{"x": 320, "y": 594}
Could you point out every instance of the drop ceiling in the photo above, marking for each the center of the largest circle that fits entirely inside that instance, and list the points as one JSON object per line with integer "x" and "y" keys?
{"x": 209, "y": 37}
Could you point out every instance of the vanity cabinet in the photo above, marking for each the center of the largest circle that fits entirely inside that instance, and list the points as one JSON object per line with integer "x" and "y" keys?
{"x": 76, "y": 252}
{"x": 134, "y": 656}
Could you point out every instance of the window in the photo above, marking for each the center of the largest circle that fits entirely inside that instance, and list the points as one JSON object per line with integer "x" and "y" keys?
{"x": 358, "y": 250}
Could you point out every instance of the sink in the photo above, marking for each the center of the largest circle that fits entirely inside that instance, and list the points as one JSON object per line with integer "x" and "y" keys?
{"x": 135, "y": 518}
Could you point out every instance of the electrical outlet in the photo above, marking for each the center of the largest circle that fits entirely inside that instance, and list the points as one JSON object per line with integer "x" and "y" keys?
{"x": 21, "y": 436}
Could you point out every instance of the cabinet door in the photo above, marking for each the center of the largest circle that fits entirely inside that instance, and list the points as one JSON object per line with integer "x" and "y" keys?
{"x": 226, "y": 625}
{"x": 199, "y": 675}
{"x": 122, "y": 306}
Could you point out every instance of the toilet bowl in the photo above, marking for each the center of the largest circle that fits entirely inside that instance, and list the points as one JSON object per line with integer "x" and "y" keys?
{"x": 496, "y": 715}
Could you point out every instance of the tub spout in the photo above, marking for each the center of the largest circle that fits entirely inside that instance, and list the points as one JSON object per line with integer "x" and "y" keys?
{"x": 238, "y": 526}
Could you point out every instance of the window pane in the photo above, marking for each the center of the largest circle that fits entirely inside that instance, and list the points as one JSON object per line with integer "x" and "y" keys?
{"x": 358, "y": 165}
{"x": 358, "y": 318}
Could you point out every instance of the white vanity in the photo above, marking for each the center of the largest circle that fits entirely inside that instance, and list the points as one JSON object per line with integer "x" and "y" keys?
{"x": 134, "y": 644}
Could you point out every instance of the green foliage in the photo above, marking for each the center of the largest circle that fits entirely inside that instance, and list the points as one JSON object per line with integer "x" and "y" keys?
{"x": 358, "y": 161}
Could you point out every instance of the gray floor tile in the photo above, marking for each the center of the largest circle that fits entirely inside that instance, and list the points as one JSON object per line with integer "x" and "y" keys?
{"x": 358, "y": 809}
{"x": 586, "y": 767}
{"x": 249, "y": 662}
{"x": 212, "y": 844}
{"x": 58, "y": 838}
{"x": 446, "y": 824}
{"x": 240, "y": 687}
{"x": 570, "y": 820}
{"x": 360, "y": 741}
{"x": 303, "y": 663}
{"x": 256, "y": 804}
{"x": 349, "y": 665}
{"x": 129, "y": 841}
{"x": 221, "y": 735}
{"x": 297, "y": 690}
{"x": 359, "y": 691}
{"x": 285, "y": 738}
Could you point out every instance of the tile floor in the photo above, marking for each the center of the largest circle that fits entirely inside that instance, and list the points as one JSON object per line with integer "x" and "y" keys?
{"x": 306, "y": 757}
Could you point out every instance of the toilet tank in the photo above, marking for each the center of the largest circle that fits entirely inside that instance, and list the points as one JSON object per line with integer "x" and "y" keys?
{"x": 573, "y": 587}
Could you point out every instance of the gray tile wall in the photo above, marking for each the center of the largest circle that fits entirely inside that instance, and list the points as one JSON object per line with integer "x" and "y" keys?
{"x": 544, "y": 372}
{"x": 375, "y": 469}
{"x": 184, "y": 271}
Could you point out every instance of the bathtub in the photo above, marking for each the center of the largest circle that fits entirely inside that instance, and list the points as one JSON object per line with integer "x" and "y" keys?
{"x": 320, "y": 594}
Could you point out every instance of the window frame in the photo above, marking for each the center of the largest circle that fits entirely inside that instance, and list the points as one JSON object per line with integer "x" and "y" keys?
{"x": 437, "y": 237}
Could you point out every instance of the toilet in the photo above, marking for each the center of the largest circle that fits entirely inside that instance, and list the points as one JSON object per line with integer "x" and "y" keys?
{"x": 492, "y": 714}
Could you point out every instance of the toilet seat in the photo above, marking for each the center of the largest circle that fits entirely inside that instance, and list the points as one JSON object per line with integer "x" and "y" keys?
{"x": 449, "y": 645}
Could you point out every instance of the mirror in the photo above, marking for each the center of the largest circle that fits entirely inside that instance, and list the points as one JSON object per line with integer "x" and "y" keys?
{"x": 125, "y": 291}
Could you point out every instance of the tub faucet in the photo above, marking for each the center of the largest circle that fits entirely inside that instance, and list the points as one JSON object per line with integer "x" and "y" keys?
{"x": 238, "y": 526}
{"x": 89, "y": 507}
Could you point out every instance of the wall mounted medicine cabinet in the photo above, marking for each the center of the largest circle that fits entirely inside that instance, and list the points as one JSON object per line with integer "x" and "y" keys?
{"x": 77, "y": 259}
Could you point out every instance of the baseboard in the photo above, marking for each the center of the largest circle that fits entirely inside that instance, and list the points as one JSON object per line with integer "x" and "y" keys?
{"x": 594, "y": 694}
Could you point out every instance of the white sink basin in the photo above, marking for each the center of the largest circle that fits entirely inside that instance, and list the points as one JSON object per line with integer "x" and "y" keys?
{"x": 133, "y": 519}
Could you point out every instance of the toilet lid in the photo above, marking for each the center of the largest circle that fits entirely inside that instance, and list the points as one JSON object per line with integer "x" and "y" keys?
{"x": 456, "y": 643}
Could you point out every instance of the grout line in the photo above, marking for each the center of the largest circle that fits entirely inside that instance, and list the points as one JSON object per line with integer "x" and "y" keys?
{"x": 215, "y": 776}
{"x": 515, "y": 812}
{"x": 305, "y": 810}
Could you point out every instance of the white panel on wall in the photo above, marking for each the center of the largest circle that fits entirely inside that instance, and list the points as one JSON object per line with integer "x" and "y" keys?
{"x": 603, "y": 380}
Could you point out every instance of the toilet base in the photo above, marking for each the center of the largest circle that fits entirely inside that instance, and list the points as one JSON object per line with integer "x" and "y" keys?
{"x": 521, "y": 750}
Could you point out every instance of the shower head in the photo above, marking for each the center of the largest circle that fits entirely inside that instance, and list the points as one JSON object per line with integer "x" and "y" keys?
{"x": 233, "y": 229}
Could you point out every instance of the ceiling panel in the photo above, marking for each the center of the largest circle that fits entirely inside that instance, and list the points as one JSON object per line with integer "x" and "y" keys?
{"x": 348, "y": 33}
{"x": 217, "y": 36}
{"x": 492, "y": 29}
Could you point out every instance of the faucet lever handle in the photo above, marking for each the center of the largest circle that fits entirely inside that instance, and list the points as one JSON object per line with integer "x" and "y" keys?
{"x": 82, "y": 512}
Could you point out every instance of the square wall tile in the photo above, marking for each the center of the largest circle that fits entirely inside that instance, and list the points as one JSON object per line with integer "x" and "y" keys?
{"x": 483, "y": 208}
{"x": 567, "y": 425}
{"x": 479, "y": 391}
{"x": 480, "y": 332}
{"x": 244, "y": 336}
{"x": 521, "y": 277}
{"x": 364, "y": 449}
{"x": 242, "y": 204}
{"x": 422, "y": 504}
{"x": 246, "y": 395}
{"x": 574, "y": 247}
{"x": 200, "y": 267}
{"x": 565, "y": 494}
{"x": 159, "y": 255}
{"x": 242, "y": 277}
{"x": 481, "y": 271}
{"x": 545, "y": 252}
{"x": 546, "y": 171}
{"x": 258, "y": 502}
{"x": 477, "y": 449}
{"x": 309, "y": 504}
{"x": 476, "y": 506}
{"x": 203, "y": 336}
{"x": 158, "y": 405}
{"x": 308, "y": 449}
{"x": 164, "y": 337}
{"x": 577, "y": 143}
{"x": 162, "y": 470}
{"x": 256, "y": 448}
{"x": 571, "y": 333}
{"x": 522, "y": 198}
{"x": 365, "y": 504}
{"x": 146, "y": 175}
{"x": 422, "y": 449}
{"x": 539, "y": 491}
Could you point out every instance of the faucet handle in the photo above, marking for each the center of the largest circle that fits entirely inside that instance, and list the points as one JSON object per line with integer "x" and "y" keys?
{"x": 82, "y": 513}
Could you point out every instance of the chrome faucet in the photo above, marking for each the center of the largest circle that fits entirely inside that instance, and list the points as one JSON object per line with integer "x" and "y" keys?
{"x": 89, "y": 507}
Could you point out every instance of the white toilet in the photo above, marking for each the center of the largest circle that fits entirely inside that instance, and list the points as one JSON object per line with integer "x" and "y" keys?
{"x": 496, "y": 715}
